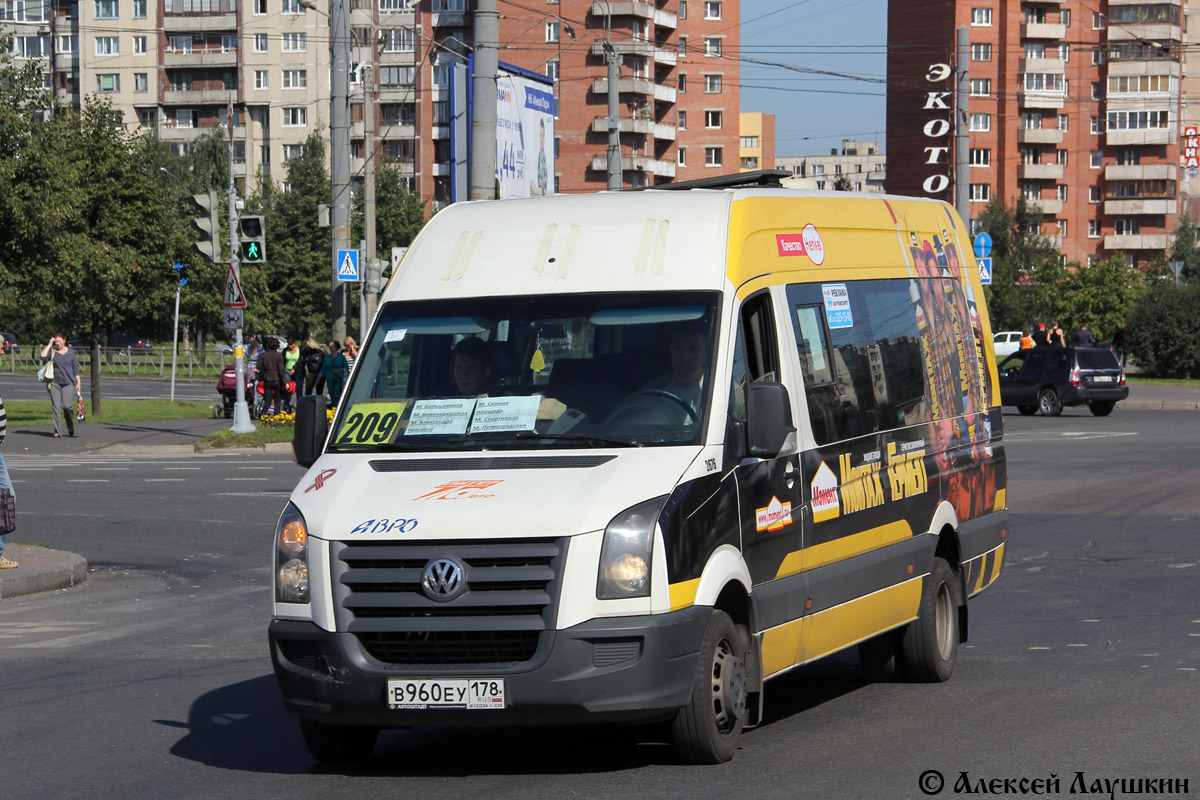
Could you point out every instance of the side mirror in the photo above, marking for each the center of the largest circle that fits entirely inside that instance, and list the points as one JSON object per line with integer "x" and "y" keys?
{"x": 769, "y": 419}
{"x": 312, "y": 428}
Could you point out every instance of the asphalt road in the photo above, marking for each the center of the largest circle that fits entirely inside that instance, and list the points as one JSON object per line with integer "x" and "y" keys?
{"x": 26, "y": 387}
{"x": 153, "y": 679}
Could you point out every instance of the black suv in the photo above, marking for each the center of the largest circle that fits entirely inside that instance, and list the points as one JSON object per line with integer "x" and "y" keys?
{"x": 1048, "y": 378}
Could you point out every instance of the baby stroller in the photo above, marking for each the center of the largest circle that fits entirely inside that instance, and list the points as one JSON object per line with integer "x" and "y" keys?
{"x": 258, "y": 401}
{"x": 227, "y": 388}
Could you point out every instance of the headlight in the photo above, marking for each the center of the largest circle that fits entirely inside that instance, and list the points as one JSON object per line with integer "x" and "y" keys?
{"x": 625, "y": 556}
{"x": 291, "y": 557}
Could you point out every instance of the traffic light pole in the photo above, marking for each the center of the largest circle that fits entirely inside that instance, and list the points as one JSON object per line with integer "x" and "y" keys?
{"x": 241, "y": 412}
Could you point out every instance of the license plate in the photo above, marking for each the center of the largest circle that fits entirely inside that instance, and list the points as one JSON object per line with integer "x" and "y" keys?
{"x": 468, "y": 693}
{"x": 1102, "y": 379}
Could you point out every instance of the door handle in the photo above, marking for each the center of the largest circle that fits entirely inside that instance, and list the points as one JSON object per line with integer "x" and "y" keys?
{"x": 789, "y": 474}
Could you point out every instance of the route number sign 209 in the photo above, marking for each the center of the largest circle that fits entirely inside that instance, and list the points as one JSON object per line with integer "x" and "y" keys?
{"x": 370, "y": 423}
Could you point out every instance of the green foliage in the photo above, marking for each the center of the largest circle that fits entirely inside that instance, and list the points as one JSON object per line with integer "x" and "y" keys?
{"x": 1098, "y": 296}
{"x": 399, "y": 214}
{"x": 1164, "y": 331}
{"x": 1186, "y": 250}
{"x": 1026, "y": 269}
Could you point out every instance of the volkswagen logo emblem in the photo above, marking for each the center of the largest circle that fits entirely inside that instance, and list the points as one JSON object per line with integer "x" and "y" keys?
{"x": 443, "y": 579}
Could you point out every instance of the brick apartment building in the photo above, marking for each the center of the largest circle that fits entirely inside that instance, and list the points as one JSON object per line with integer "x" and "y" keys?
{"x": 1074, "y": 106}
{"x": 173, "y": 67}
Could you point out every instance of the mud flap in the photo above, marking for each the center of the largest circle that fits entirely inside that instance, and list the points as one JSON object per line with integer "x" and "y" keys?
{"x": 754, "y": 683}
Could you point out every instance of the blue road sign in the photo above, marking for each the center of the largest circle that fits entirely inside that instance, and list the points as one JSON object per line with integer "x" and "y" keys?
{"x": 983, "y": 244}
{"x": 985, "y": 270}
{"x": 347, "y": 265}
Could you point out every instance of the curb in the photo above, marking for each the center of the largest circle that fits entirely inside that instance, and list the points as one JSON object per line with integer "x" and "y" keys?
{"x": 1145, "y": 405}
{"x": 41, "y": 570}
{"x": 279, "y": 448}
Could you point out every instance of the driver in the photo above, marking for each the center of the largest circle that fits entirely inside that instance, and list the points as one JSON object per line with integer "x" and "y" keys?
{"x": 686, "y": 378}
{"x": 472, "y": 368}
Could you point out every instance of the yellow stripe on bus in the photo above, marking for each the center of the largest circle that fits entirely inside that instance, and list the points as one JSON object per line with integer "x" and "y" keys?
{"x": 996, "y": 566}
{"x": 1001, "y": 499}
{"x": 846, "y": 547}
{"x": 683, "y": 594}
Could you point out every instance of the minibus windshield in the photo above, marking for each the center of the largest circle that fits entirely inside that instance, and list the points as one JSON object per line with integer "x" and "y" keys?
{"x": 545, "y": 371}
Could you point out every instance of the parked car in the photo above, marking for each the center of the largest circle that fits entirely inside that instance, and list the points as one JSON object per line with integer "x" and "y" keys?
{"x": 1047, "y": 379}
{"x": 1006, "y": 342}
{"x": 125, "y": 342}
{"x": 10, "y": 343}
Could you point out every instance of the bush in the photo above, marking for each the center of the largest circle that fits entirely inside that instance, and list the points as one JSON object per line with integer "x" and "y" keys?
{"x": 1164, "y": 331}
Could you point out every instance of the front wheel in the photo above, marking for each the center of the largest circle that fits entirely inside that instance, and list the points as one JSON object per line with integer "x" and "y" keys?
{"x": 1049, "y": 404}
{"x": 1102, "y": 409}
{"x": 707, "y": 729}
{"x": 338, "y": 744}
{"x": 930, "y": 644}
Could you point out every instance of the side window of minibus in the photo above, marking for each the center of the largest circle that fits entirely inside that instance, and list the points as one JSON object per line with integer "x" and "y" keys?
{"x": 755, "y": 354}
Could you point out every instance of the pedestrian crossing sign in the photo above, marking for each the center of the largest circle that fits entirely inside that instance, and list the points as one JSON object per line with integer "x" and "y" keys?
{"x": 985, "y": 270}
{"x": 347, "y": 265}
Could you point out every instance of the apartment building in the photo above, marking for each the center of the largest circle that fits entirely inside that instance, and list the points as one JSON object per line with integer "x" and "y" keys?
{"x": 1074, "y": 106}
{"x": 757, "y": 146}
{"x": 861, "y": 164}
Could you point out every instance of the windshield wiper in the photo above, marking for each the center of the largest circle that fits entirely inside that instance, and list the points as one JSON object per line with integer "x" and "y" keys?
{"x": 579, "y": 437}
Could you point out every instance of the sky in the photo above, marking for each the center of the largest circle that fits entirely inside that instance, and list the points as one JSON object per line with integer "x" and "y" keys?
{"x": 799, "y": 41}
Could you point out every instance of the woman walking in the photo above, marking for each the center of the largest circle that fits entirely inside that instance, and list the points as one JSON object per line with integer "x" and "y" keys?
{"x": 333, "y": 369}
{"x": 67, "y": 383}
{"x": 273, "y": 374}
{"x": 6, "y": 495}
{"x": 311, "y": 358}
{"x": 350, "y": 351}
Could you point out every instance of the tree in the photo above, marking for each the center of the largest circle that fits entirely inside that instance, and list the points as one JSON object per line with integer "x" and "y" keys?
{"x": 1185, "y": 248}
{"x": 1026, "y": 268}
{"x": 1164, "y": 330}
{"x": 399, "y": 214}
{"x": 842, "y": 184}
{"x": 1098, "y": 296}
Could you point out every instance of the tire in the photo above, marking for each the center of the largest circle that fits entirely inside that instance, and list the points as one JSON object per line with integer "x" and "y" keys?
{"x": 1049, "y": 404}
{"x": 1027, "y": 411}
{"x": 929, "y": 648}
{"x": 1102, "y": 409}
{"x": 338, "y": 744}
{"x": 881, "y": 658}
{"x": 707, "y": 729}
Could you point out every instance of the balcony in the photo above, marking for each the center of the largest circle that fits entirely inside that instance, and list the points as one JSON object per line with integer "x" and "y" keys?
{"x": 199, "y": 23}
{"x": 1161, "y": 66}
{"x": 1156, "y": 241}
{"x": 66, "y": 61}
{"x": 1048, "y": 66}
{"x": 640, "y": 47}
{"x": 1040, "y": 136}
{"x": 1140, "y": 136}
{"x": 1043, "y": 30}
{"x": 640, "y": 86}
{"x": 1043, "y": 99}
{"x": 662, "y": 19}
{"x": 200, "y": 58}
{"x": 1145, "y": 31}
{"x": 197, "y": 97}
{"x": 449, "y": 19}
{"x": 1140, "y": 172}
{"x": 1140, "y": 205}
{"x": 636, "y": 164}
{"x": 1043, "y": 172}
{"x": 1048, "y": 206}
{"x": 646, "y": 127}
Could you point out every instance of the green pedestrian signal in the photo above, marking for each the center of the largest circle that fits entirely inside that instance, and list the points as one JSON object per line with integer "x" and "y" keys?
{"x": 252, "y": 234}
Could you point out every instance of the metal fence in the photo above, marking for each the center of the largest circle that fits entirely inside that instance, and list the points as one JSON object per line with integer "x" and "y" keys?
{"x": 152, "y": 362}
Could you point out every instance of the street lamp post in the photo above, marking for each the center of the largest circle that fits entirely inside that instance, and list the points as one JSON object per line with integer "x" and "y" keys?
{"x": 175, "y": 337}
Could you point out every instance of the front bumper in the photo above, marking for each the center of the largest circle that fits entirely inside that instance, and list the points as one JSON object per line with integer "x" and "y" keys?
{"x": 625, "y": 669}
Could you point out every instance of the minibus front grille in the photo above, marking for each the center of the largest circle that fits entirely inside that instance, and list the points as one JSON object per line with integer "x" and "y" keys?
{"x": 505, "y": 614}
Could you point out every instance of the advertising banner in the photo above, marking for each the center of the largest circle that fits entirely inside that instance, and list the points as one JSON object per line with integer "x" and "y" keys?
{"x": 524, "y": 133}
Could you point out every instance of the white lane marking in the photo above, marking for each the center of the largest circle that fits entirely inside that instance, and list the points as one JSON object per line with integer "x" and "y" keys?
{"x": 247, "y": 479}
{"x": 110, "y": 469}
{"x": 256, "y": 468}
{"x": 164, "y": 480}
{"x": 253, "y": 494}
{"x": 177, "y": 469}
{"x": 1039, "y": 648}
{"x": 87, "y": 480}
{"x": 96, "y": 636}
{"x": 1077, "y": 645}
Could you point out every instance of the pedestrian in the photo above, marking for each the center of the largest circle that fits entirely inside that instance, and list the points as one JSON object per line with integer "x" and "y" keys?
{"x": 309, "y": 369}
{"x": 350, "y": 351}
{"x": 8, "y": 499}
{"x": 1026, "y": 339}
{"x": 273, "y": 374}
{"x": 291, "y": 359}
{"x": 1039, "y": 336}
{"x": 333, "y": 369}
{"x": 253, "y": 354}
{"x": 66, "y": 385}
{"x": 1083, "y": 337}
{"x": 1055, "y": 336}
{"x": 1118, "y": 343}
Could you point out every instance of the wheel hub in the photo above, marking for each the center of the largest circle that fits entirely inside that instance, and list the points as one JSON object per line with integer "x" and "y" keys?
{"x": 729, "y": 687}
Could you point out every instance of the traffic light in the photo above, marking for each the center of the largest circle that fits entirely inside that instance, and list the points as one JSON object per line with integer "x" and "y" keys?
{"x": 252, "y": 234}
{"x": 209, "y": 226}
{"x": 375, "y": 274}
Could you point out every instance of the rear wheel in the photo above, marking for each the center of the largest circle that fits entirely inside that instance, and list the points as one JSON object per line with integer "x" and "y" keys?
{"x": 930, "y": 645}
{"x": 1027, "y": 411}
{"x": 338, "y": 744}
{"x": 707, "y": 729}
{"x": 1102, "y": 409}
{"x": 1049, "y": 404}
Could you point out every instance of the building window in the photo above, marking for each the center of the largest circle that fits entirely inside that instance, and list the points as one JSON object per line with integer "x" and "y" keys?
{"x": 1097, "y": 159}
{"x": 1064, "y": 52}
{"x": 981, "y": 16}
{"x": 1129, "y": 157}
{"x": 1126, "y": 227}
{"x": 179, "y": 44}
{"x": 292, "y": 7}
{"x": 712, "y": 46}
{"x": 1030, "y": 155}
{"x": 1097, "y": 124}
{"x": 552, "y": 69}
{"x": 552, "y": 31}
{"x": 147, "y": 117}
{"x": 712, "y": 84}
{"x": 295, "y": 79}
{"x": 1031, "y": 190}
{"x": 1098, "y": 21}
{"x": 1063, "y": 122}
{"x": 66, "y": 44}
{"x": 295, "y": 42}
{"x": 1099, "y": 56}
{"x": 1138, "y": 120}
{"x": 260, "y": 79}
{"x": 1064, "y": 17}
{"x": 683, "y": 45}
{"x": 981, "y": 192}
{"x": 1031, "y": 120}
{"x": 260, "y": 8}
{"x": 981, "y": 122}
{"x": 139, "y": 9}
{"x": 981, "y": 51}
{"x": 1093, "y": 230}
{"x": 1097, "y": 90}
{"x": 295, "y": 117}
{"x": 682, "y": 159}
{"x": 683, "y": 9}
{"x": 398, "y": 113}
{"x": 396, "y": 76}
{"x": 140, "y": 82}
{"x": 397, "y": 40}
{"x": 452, "y": 6}
{"x": 1140, "y": 84}
{"x": 1060, "y": 227}
{"x": 1094, "y": 194}
{"x": 750, "y": 162}
{"x": 683, "y": 83}
{"x": 260, "y": 43}
{"x": 981, "y": 87}
{"x": 181, "y": 81}
{"x": 1043, "y": 82}
{"x": 1061, "y": 192}
{"x": 1060, "y": 157}
{"x": 108, "y": 82}
{"x": 749, "y": 142}
{"x": 712, "y": 9}
{"x": 713, "y": 156}
{"x": 185, "y": 118}
{"x": 106, "y": 9}
{"x": 139, "y": 45}
{"x": 291, "y": 151}
{"x": 682, "y": 119}
{"x": 981, "y": 157}
{"x": 441, "y": 112}
{"x": 108, "y": 46}
{"x": 712, "y": 119}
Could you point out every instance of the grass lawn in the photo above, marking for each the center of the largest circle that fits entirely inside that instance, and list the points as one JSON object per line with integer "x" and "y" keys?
{"x": 1162, "y": 381}
{"x": 37, "y": 412}
{"x": 263, "y": 435}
